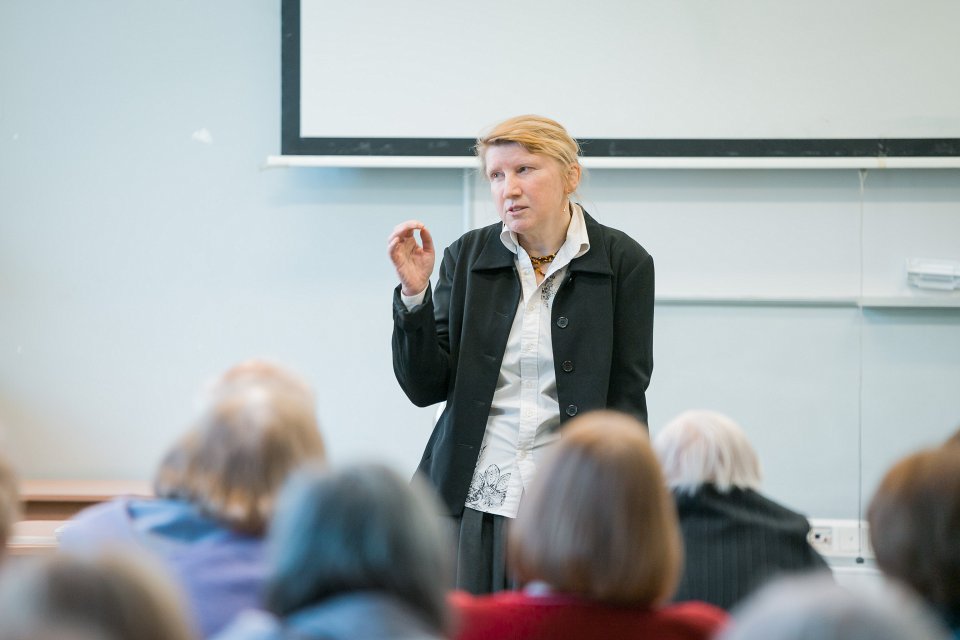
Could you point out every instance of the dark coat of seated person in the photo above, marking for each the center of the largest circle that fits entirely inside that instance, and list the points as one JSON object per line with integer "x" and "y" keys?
{"x": 596, "y": 548}
{"x": 735, "y": 539}
{"x": 215, "y": 491}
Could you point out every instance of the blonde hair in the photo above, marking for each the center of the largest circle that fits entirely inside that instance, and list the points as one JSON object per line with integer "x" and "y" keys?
{"x": 9, "y": 503}
{"x": 536, "y": 134}
{"x": 599, "y": 521}
{"x": 116, "y": 596}
{"x": 257, "y": 425}
{"x": 705, "y": 447}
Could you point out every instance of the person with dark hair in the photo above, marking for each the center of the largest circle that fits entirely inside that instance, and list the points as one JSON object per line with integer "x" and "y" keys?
{"x": 914, "y": 521}
{"x": 534, "y": 319}
{"x": 215, "y": 491}
{"x": 596, "y": 548}
{"x": 734, "y": 537}
{"x": 356, "y": 553}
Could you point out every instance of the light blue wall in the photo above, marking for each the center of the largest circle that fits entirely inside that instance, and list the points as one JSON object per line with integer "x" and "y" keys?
{"x": 137, "y": 260}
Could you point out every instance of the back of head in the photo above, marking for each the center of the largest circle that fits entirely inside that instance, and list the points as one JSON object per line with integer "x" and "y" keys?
{"x": 915, "y": 526}
{"x": 257, "y": 424}
{"x": 814, "y": 607}
{"x": 362, "y": 528}
{"x": 705, "y": 447}
{"x": 9, "y": 503}
{"x": 110, "y": 597}
{"x": 599, "y": 521}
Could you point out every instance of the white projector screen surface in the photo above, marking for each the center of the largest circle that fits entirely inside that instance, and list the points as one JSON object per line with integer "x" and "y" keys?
{"x": 620, "y": 70}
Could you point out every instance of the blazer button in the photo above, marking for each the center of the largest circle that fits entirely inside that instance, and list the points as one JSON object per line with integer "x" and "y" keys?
{"x": 572, "y": 410}
{"x": 567, "y": 366}
{"x": 562, "y": 322}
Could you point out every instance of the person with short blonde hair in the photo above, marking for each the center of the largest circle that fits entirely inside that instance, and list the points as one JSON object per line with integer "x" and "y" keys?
{"x": 735, "y": 538}
{"x": 114, "y": 596}
{"x": 215, "y": 491}
{"x": 258, "y": 422}
{"x": 914, "y": 521}
{"x": 596, "y": 547}
{"x": 536, "y": 134}
{"x": 536, "y": 318}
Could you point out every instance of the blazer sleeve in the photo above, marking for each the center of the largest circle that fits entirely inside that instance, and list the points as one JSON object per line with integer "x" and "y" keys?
{"x": 421, "y": 342}
{"x": 632, "y": 362}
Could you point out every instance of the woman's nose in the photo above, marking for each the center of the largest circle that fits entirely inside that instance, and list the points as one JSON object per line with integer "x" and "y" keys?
{"x": 511, "y": 185}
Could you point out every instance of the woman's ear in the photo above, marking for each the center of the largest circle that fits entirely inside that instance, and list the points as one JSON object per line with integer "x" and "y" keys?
{"x": 573, "y": 177}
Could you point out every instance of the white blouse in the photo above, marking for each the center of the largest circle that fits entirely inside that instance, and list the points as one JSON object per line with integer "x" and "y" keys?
{"x": 525, "y": 412}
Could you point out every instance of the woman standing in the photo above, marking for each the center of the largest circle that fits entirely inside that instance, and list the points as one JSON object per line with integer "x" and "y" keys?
{"x": 534, "y": 320}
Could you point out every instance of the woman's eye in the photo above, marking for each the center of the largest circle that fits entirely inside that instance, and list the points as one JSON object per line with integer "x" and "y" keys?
{"x": 495, "y": 174}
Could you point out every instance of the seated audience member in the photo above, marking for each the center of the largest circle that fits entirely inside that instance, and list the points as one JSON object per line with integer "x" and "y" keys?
{"x": 215, "y": 491}
{"x": 814, "y": 607}
{"x": 914, "y": 521}
{"x": 734, "y": 537}
{"x": 357, "y": 553}
{"x": 596, "y": 547}
{"x": 109, "y": 597}
{"x": 9, "y": 504}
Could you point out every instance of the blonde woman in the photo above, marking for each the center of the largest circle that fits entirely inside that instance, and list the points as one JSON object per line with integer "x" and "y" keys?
{"x": 215, "y": 492}
{"x": 534, "y": 319}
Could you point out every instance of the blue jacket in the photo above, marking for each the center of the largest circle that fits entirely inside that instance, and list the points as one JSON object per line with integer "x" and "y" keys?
{"x": 220, "y": 572}
{"x": 350, "y": 616}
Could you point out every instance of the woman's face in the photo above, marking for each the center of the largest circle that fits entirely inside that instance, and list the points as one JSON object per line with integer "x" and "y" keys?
{"x": 529, "y": 190}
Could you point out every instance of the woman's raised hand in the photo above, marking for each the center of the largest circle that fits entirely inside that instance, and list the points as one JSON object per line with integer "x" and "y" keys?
{"x": 413, "y": 262}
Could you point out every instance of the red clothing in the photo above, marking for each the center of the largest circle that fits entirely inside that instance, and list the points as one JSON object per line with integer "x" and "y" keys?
{"x": 512, "y": 615}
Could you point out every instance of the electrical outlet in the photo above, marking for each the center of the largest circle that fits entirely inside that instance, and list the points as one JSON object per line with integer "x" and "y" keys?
{"x": 821, "y": 538}
{"x": 840, "y": 538}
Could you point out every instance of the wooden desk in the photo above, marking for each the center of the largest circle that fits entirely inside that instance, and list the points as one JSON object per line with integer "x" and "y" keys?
{"x": 33, "y": 537}
{"x": 61, "y": 499}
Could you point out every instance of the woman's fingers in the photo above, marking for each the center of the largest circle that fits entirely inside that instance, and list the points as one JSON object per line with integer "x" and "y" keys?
{"x": 413, "y": 262}
{"x": 426, "y": 239}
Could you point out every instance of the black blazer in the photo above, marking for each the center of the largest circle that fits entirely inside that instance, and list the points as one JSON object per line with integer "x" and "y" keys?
{"x": 451, "y": 346}
{"x": 736, "y": 541}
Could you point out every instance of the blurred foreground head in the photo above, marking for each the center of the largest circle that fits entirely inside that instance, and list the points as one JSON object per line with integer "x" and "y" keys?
{"x": 361, "y": 529}
{"x": 599, "y": 521}
{"x": 109, "y": 597}
{"x": 257, "y": 423}
{"x": 915, "y": 527}
{"x": 814, "y": 607}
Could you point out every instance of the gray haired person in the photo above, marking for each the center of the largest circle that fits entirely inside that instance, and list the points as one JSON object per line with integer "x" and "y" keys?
{"x": 734, "y": 538}
{"x": 814, "y": 607}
